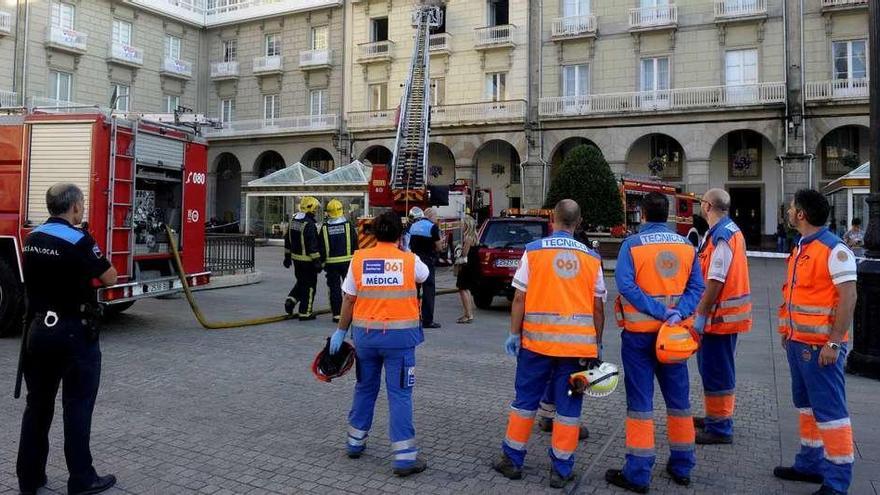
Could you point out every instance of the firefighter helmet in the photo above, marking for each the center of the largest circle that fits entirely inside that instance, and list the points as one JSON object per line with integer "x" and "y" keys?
{"x": 599, "y": 379}
{"x": 334, "y": 208}
{"x": 309, "y": 205}
{"x": 416, "y": 213}
{"x": 328, "y": 366}
{"x": 675, "y": 343}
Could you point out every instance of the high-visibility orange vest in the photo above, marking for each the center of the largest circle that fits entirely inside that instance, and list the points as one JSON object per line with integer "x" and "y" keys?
{"x": 809, "y": 297}
{"x": 662, "y": 266}
{"x": 558, "y": 318}
{"x": 386, "y": 293}
{"x": 732, "y": 312}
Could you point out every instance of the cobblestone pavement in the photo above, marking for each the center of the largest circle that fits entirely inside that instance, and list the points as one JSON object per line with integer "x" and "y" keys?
{"x": 184, "y": 410}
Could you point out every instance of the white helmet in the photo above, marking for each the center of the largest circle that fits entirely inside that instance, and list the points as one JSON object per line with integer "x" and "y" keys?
{"x": 599, "y": 380}
{"x": 415, "y": 213}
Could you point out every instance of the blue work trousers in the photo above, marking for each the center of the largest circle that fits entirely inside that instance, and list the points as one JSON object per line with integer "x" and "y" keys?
{"x": 715, "y": 360}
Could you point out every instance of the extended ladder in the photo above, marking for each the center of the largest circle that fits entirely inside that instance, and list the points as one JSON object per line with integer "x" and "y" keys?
{"x": 121, "y": 197}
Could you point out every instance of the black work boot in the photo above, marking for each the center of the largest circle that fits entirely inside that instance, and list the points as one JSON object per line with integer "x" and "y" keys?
{"x": 416, "y": 468}
{"x": 583, "y": 433}
{"x": 679, "y": 480}
{"x": 791, "y": 474}
{"x": 616, "y": 478}
{"x": 827, "y": 490}
{"x": 289, "y": 305}
{"x": 100, "y": 484}
{"x": 27, "y": 490}
{"x": 506, "y": 467}
{"x": 545, "y": 424}
{"x": 699, "y": 422}
{"x": 706, "y": 438}
{"x": 310, "y": 316}
{"x": 559, "y": 481}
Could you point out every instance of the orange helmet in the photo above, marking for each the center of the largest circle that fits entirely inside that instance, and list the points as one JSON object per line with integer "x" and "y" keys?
{"x": 676, "y": 343}
{"x": 328, "y": 366}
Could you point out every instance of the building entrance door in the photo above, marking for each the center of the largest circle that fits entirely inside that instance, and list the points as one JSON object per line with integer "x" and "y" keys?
{"x": 745, "y": 211}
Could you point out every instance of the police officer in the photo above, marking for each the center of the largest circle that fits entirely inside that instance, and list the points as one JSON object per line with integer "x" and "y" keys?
{"x": 301, "y": 245}
{"x": 557, "y": 319}
{"x": 659, "y": 280}
{"x": 339, "y": 241}
{"x": 383, "y": 311}
{"x": 61, "y": 346}
{"x": 425, "y": 242}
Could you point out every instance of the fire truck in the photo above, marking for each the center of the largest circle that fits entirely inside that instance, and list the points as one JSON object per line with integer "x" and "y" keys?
{"x": 138, "y": 177}
{"x": 682, "y": 206}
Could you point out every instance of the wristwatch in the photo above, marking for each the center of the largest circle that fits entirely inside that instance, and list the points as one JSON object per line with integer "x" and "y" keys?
{"x": 833, "y": 345}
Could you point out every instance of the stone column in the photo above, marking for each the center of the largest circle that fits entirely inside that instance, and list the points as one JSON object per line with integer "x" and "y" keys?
{"x": 245, "y": 178}
{"x": 533, "y": 184}
{"x": 617, "y": 167}
{"x": 464, "y": 169}
{"x": 211, "y": 195}
{"x": 696, "y": 173}
{"x": 795, "y": 175}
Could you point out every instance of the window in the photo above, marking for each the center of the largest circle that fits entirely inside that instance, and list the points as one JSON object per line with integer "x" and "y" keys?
{"x": 227, "y": 110}
{"x": 850, "y": 59}
{"x": 229, "y": 50}
{"x": 498, "y": 14}
{"x": 271, "y": 107}
{"x": 438, "y": 91}
{"x": 840, "y": 151}
{"x": 655, "y": 74}
{"x": 378, "y": 97}
{"x": 442, "y": 27}
{"x": 63, "y": 15}
{"x": 669, "y": 153}
{"x": 171, "y": 103}
{"x": 172, "y": 47}
{"x": 496, "y": 86}
{"x": 653, "y": 3}
{"x": 122, "y": 95}
{"x": 320, "y": 37}
{"x": 273, "y": 45}
{"x": 121, "y": 32}
{"x": 379, "y": 29}
{"x": 575, "y": 80}
{"x": 317, "y": 100}
{"x": 60, "y": 85}
{"x": 574, "y": 8}
{"x": 741, "y": 67}
{"x": 744, "y": 155}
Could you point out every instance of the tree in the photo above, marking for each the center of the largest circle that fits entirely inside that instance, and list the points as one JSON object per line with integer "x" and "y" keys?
{"x": 585, "y": 177}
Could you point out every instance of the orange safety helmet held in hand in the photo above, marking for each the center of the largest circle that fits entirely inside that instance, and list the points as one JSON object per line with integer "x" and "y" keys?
{"x": 676, "y": 343}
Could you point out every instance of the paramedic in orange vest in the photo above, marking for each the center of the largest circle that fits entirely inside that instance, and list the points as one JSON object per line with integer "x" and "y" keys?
{"x": 381, "y": 307}
{"x": 658, "y": 277}
{"x": 724, "y": 311}
{"x": 818, "y": 301}
{"x": 557, "y": 319}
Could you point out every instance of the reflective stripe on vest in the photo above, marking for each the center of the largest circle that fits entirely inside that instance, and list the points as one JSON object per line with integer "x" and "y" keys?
{"x": 568, "y": 338}
{"x": 732, "y": 311}
{"x": 386, "y": 324}
{"x": 388, "y": 294}
{"x": 325, "y": 232}
{"x": 559, "y": 320}
{"x": 634, "y": 320}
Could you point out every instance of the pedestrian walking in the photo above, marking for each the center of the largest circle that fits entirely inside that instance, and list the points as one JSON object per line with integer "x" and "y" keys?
{"x": 61, "y": 342}
{"x": 301, "y": 247}
{"x": 338, "y": 239}
{"x": 819, "y": 298}
{"x": 467, "y": 265}
{"x": 658, "y": 276}
{"x": 381, "y": 307}
{"x": 425, "y": 242}
{"x": 557, "y": 318}
{"x": 724, "y": 312}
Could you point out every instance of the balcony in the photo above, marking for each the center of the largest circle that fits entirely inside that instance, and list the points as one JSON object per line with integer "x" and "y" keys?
{"x": 844, "y": 4}
{"x": 264, "y": 66}
{"x": 650, "y": 18}
{"x": 371, "y": 120}
{"x": 580, "y": 26}
{"x": 736, "y": 10}
{"x": 492, "y": 112}
{"x": 376, "y": 51}
{"x": 220, "y": 12}
{"x": 486, "y": 38}
{"x": 283, "y": 125}
{"x": 440, "y": 43}
{"x": 176, "y": 68}
{"x": 712, "y": 97}
{"x": 66, "y": 40}
{"x": 315, "y": 59}
{"x": 8, "y": 99}
{"x": 837, "y": 90}
{"x": 5, "y": 23}
{"x": 123, "y": 54}
{"x": 224, "y": 71}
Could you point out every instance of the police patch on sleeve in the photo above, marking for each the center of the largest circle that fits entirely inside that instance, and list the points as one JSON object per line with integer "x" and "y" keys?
{"x": 377, "y": 273}
{"x": 97, "y": 251}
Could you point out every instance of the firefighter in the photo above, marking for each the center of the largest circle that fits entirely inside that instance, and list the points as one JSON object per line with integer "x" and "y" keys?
{"x": 658, "y": 276}
{"x": 382, "y": 309}
{"x": 557, "y": 319}
{"x": 339, "y": 241}
{"x": 724, "y": 311}
{"x": 302, "y": 247}
{"x": 814, "y": 323}
{"x": 61, "y": 342}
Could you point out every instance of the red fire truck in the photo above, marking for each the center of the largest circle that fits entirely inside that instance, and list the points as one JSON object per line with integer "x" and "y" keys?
{"x": 137, "y": 176}
{"x": 682, "y": 206}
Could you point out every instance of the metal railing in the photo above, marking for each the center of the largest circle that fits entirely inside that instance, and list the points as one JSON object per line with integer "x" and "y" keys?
{"x": 372, "y": 119}
{"x": 229, "y": 253}
{"x": 66, "y": 38}
{"x": 305, "y": 123}
{"x": 494, "y": 35}
{"x": 126, "y": 54}
{"x": 648, "y": 17}
{"x": 315, "y": 58}
{"x": 272, "y": 63}
{"x": 566, "y": 27}
{"x": 844, "y": 3}
{"x": 176, "y": 67}
{"x": 838, "y": 89}
{"x": 223, "y": 70}
{"x": 8, "y": 99}
{"x": 476, "y": 113}
{"x": 739, "y": 8}
{"x": 672, "y": 99}
{"x": 5, "y": 22}
{"x": 440, "y": 42}
{"x": 376, "y": 49}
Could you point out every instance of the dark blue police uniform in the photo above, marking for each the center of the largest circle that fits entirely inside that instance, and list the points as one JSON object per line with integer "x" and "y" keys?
{"x": 60, "y": 262}
{"x": 424, "y": 235}
{"x": 339, "y": 241}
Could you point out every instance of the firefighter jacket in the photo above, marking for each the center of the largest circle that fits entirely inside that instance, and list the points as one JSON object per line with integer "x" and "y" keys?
{"x": 338, "y": 239}
{"x": 809, "y": 296}
{"x": 732, "y": 312}
{"x": 657, "y": 270}
{"x": 560, "y": 298}
{"x": 301, "y": 241}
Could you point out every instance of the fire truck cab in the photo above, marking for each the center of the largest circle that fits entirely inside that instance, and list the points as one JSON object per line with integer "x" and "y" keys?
{"x": 682, "y": 206}
{"x": 137, "y": 177}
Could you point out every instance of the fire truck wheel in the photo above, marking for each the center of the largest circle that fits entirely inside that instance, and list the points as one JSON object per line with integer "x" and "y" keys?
{"x": 11, "y": 301}
{"x": 112, "y": 310}
{"x": 483, "y": 299}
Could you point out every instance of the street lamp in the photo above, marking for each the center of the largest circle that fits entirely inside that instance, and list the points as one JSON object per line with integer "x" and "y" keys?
{"x": 865, "y": 356}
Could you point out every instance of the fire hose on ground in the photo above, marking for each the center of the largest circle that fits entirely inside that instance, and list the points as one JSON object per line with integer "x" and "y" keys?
{"x": 222, "y": 325}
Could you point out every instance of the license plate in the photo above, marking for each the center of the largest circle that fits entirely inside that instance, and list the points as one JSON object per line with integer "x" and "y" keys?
{"x": 157, "y": 286}
{"x": 508, "y": 263}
